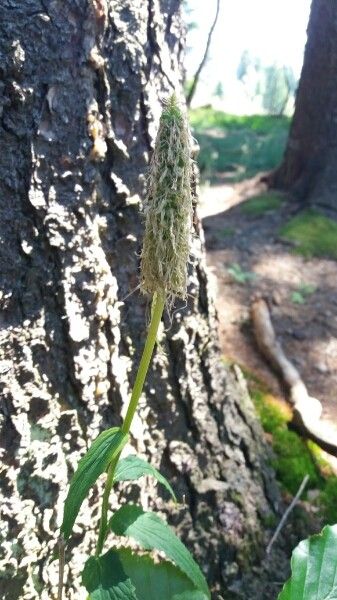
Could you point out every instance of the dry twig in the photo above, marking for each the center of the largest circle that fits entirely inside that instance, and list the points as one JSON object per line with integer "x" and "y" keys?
{"x": 287, "y": 513}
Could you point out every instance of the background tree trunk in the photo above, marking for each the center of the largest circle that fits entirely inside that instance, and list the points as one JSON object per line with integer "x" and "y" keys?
{"x": 310, "y": 162}
{"x": 81, "y": 87}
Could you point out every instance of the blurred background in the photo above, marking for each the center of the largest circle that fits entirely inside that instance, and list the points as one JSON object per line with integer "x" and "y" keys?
{"x": 255, "y": 58}
{"x": 270, "y": 217}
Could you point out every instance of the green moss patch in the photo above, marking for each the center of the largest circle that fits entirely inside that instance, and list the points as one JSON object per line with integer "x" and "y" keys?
{"x": 313, "y": 233}
{"x": 293, "y": 461}
{"x": 328, "y": 500}
{"x": 258, "y": 205}
{"x": 293, "y": 456}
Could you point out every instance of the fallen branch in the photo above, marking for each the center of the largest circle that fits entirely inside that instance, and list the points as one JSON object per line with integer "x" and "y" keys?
{"x": 307, "y": 410}
{"x": 287, "y": 513}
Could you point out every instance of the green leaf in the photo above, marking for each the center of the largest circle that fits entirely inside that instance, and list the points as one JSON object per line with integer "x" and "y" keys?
{"x": 314, "y": 568}
{"x": 132, "y": 468}
{"x": 152, "y": 533}
{"x": 239, "y": 275}
{"x": 307, "y": 289}
{"x": 106, "y": 446}
{"x": 297, "y": 298}
{"x": 122, "y": 575}
{"x": 105, "y": 578}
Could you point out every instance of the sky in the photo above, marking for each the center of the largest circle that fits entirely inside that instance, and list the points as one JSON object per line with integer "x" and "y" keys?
{"x": 273, "y": 30}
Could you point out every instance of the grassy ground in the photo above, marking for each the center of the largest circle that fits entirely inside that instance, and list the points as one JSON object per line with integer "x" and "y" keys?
{"x": 233, "y": 148}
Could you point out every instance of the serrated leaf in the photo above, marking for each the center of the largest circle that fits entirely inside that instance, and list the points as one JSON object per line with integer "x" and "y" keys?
{"x": 132, "y": 468}
{"x": 314, "y": 568}
{"x": 122, "y": 575}
{"x": 106, "y": 446}
{"x": 152, "y": 533}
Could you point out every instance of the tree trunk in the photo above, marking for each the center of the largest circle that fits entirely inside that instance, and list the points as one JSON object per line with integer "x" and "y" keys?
{"x": 81, "y": 88}
{"x": 310, "y": 162}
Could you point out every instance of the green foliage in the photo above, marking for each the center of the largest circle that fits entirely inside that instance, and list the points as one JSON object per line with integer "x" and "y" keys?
{"x": 300, "y": 295}
{"x": 105, "y": 578}
{"x": 207, "y": 117}
{"x": 258, "y": 205}
{"x": 294, "y": 458}
{"x": 293, "y": 461}
{"x": 271, "y": 416}
{"x": 313, "y": 233}
{"x": 120, "y": 574}
{"x": 240, "y": 276}
{"x": 123, "y": 575}
{"x": 236, "y": 145}
{"x": 133, "y": 467}
{"x": 246, "y": 61}
{"x": 279, "y": 85}
{"x": 314, "y": 568}
{"x": 219, "y": 91}
{"x": 103, "y": 450}
{"x": 328, "y": 500}
{"x": 151, "y": 532}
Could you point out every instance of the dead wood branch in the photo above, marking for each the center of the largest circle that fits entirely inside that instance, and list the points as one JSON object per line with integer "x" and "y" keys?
{"x": 307, "y": 410}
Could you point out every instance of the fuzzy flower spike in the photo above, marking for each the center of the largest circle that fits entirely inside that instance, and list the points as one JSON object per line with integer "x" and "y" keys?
{"x": 168, "y": 208}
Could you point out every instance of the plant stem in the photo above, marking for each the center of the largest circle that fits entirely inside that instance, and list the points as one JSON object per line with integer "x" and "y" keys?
{"x": 158, "y": 304}
{"x": 157, "y": 311}
{"x": 105, "y": 505}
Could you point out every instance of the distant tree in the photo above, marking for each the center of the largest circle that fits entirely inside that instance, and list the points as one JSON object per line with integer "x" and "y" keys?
{"x": 278, "y": 87}
{"x": 245, "y": 62}
{"x": 309, "y": 167}
{"x": 249, "y": 74}
{"x": 219, "y": 91}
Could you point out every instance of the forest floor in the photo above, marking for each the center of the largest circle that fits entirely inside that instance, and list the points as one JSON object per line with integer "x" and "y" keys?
{"x": 263, "y": 243}
{"x": 250, "y": 258}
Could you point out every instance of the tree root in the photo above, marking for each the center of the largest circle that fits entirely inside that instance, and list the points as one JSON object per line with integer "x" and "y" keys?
{"x": 307, "y": 410}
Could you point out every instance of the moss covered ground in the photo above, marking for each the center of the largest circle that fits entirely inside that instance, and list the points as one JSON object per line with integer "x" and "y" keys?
{"x": 259, "y": 205}
{"x": 294, "y": 457}
{"x": 313, "y": 234}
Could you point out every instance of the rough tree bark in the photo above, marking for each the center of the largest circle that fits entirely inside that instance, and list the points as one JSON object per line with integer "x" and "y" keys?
{"x": 81, "y": 84}
{"x": 310, "y": 161}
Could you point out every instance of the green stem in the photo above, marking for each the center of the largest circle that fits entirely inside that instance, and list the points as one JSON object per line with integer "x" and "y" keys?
{"x": 157, "y": 311}
{"x": 105, "y": 505}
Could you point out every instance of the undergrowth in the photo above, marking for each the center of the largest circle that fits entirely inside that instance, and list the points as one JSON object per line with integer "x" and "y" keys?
{"x": 233, "y": 148}
{"x": 294, "y": 457}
